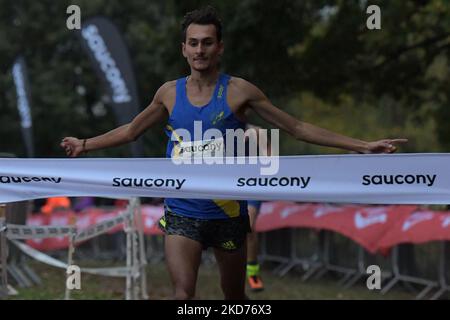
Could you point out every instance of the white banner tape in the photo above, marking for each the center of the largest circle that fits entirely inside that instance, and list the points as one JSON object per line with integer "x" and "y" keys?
{"x": 44, "y": 258}
{"x": 109, "y": 272}
{"x": 371, "y": 179}
{"x": 39, "y": 256}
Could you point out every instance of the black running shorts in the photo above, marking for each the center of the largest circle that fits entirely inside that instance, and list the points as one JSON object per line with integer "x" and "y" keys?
{"x": 226, "y": 234}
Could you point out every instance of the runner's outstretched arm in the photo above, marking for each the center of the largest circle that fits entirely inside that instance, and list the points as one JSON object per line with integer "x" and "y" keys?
{"x": 152, "y": 114}
{"x": 307, "y": 132}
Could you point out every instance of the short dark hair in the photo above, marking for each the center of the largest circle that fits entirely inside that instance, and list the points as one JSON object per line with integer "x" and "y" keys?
{"x": 205, "y": 15}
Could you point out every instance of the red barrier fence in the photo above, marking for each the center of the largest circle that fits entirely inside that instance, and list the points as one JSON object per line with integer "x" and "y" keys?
{"x": 376, "y": 228}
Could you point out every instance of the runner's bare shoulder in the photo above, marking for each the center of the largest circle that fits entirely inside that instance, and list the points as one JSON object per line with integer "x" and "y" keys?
{"x": 237, "y": 83}
{"x": 243, "y": 87}
{"x": 166, "y": 94}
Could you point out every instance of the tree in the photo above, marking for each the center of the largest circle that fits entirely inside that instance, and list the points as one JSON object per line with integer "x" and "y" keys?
{"x": 301, "y": 53}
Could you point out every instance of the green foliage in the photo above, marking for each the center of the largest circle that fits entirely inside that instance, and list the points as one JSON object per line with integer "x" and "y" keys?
{"x": 364, "y": 121}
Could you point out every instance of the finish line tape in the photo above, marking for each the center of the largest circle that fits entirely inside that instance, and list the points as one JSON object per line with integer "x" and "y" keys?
{"x": 365, "y": 179}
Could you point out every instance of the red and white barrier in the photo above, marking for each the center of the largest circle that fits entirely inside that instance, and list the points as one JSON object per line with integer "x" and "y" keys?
{"x": 373, "y": 227}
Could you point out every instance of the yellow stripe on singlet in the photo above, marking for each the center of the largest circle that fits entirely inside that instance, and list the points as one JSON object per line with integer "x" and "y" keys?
{"x": 230, "y": 207}
{"x": 176, "y": 154}
{"x": 162, "y": 221}
{"x": 169, "y": 127}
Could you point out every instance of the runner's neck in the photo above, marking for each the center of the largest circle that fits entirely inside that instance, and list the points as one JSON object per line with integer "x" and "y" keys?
{"x": 202, "y": 80}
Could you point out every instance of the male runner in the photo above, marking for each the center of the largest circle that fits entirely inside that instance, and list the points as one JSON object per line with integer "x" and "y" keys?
{"x": 219, "y": 101}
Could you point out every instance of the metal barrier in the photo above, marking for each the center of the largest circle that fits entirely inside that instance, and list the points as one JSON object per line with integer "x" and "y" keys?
{"x": 444, "y": 267}
{"x": 315, "y": 252}
{"x": 366, "y": 259}
{"x": 304, "y": 252}
{"x": 154, "y": 245}
{"x": 18, "y": 267}
{"x": 3, "y": 254}
{"x": 327, "y": 254}
{"x": 276, "y": 251}
{"x": 400, "y": 276}
{"x": 134, "y": 272}
{"x": 352, "y": 264}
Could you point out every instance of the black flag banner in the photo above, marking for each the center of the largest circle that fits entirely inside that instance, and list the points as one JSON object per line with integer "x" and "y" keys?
{"x": 20, "y": 76}
{"x": 109, "y": 55}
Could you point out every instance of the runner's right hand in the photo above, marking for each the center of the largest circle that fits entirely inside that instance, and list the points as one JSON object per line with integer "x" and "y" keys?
{"x": 72, "y": 146}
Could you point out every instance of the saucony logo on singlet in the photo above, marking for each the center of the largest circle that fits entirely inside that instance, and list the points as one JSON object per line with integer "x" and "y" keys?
{"x": 201, "y": 146}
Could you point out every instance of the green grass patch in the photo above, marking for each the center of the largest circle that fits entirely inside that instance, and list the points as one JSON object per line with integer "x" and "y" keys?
{"x": 289, "y": 287}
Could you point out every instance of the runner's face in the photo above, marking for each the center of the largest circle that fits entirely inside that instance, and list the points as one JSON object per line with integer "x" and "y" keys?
{"x": 202, "y": 49}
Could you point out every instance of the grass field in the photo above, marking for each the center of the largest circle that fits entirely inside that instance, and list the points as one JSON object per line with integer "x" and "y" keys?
{"x": 289, "y": 287}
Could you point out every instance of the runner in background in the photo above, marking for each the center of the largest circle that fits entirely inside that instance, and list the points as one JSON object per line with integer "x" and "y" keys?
{"x": 253, "y": 268}
{"x": 56, "y": 203}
